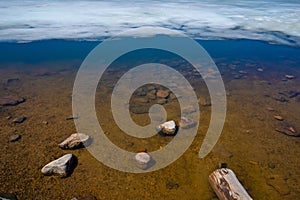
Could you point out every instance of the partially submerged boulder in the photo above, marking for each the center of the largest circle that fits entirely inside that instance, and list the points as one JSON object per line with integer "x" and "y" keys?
{"x": 76, "y": 140}
{"x": 167, "y": 128}
{"x": 62, "y": 166}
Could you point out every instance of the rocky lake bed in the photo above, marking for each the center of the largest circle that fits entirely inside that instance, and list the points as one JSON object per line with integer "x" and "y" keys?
{"x": 260, "y": 140}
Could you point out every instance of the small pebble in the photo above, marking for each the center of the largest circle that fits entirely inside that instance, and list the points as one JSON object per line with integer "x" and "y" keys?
{"x": 45, "y": 122}
{"x": 19, "y": 119}
{"x": 278, "y": 117}
{"x": 172, "y": 185}
{"x": 289, "y": 76}
{"x": 271, "y": 165}
{"x": 260, "y": 69}
{"x": 14, "y": 138}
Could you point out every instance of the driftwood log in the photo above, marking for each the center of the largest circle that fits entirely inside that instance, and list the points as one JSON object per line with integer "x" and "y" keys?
{"x": 227, "y": 186}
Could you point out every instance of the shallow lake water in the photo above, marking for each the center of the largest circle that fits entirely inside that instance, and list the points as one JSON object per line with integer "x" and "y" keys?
{"x": 265, "y": 161}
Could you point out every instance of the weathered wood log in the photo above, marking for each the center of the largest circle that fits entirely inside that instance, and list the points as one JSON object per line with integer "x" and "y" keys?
{"x": 227, "y": 186}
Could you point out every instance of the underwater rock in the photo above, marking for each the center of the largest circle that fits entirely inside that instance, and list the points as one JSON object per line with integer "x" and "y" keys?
{"x": 288, "y": 130}
{"x": 162, "y": 101}
{"x": 168, "y": 128}
{"x": 162, "y": 94}
{"x": 270, "y": 109}
{"x": 71, "y": 118}
{"x": 4, "y": 196}
{"x": 138, "y": 100}
{"x": 11, "y": 100}
{"x": 172, "y": 185}
{"x": 186, "y": 123}
{"x": 189, "y": 109}
{"x": 172, "y": 96}
{"x": 278, "y": 117}
{"x": 271, "y": 165}
{"x": 281, "y": 99}
{"x": 74, "y": 141}
{"x": 14, "y": 137}
{"x": 290, "y": 93}
{"x": 151, "y": 94}
{"x": 61, "y": 166}
{"x": 85, "y": 197}
{"x": 288, "y": 76}
{"x": 204, "y": 101}
{"x": 11, "y": 80}
{"x": 143, "y": 160}
{"x": 260, "y": 69}
{"x": 140, "y": 92}
{"x": 19, "y": 120}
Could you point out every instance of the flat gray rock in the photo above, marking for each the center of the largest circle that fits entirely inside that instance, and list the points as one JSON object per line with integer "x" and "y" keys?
{"x": 61, "y": 166}
{"x": 74, "y": 141}
{"x": 11, "y": 100}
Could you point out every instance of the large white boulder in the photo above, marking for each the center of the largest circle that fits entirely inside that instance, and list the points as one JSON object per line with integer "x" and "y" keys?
{"x": 168, "y": 128}
{"x": 61, "y": 166}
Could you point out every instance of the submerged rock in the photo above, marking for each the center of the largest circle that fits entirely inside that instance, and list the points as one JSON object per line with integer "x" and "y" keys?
{"x": 168, "y": 128}
{"x": 172, "y": 185}
{"x": 278, "y": 117}
{"x": 143, "y": 160}
{"x": 290, "y": 93}
{"x": 11, "y": 100}
{"x": 19, "y": 120}
{"x": 74, "y": 141}
{"x": 14, "y": 137}
{"x": 260, "y": 69}
{"x": 163, "y": 94}
{"x": 151, "y": 94}
{"x": 71, "y": 118}
{"x": 288, "y": 76}
{"x": 288, "y": 130}
{"x": 85, "y": 197}
{"x": 189, "y": 109}
{"x": 186, "y": 123}
{"x": 11, "y": 80}
{"x": 4, "y": 196}
{"x": 204, "y": 101}
{"x": 62, "y": 166}
{"x": 281, "y": 99}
